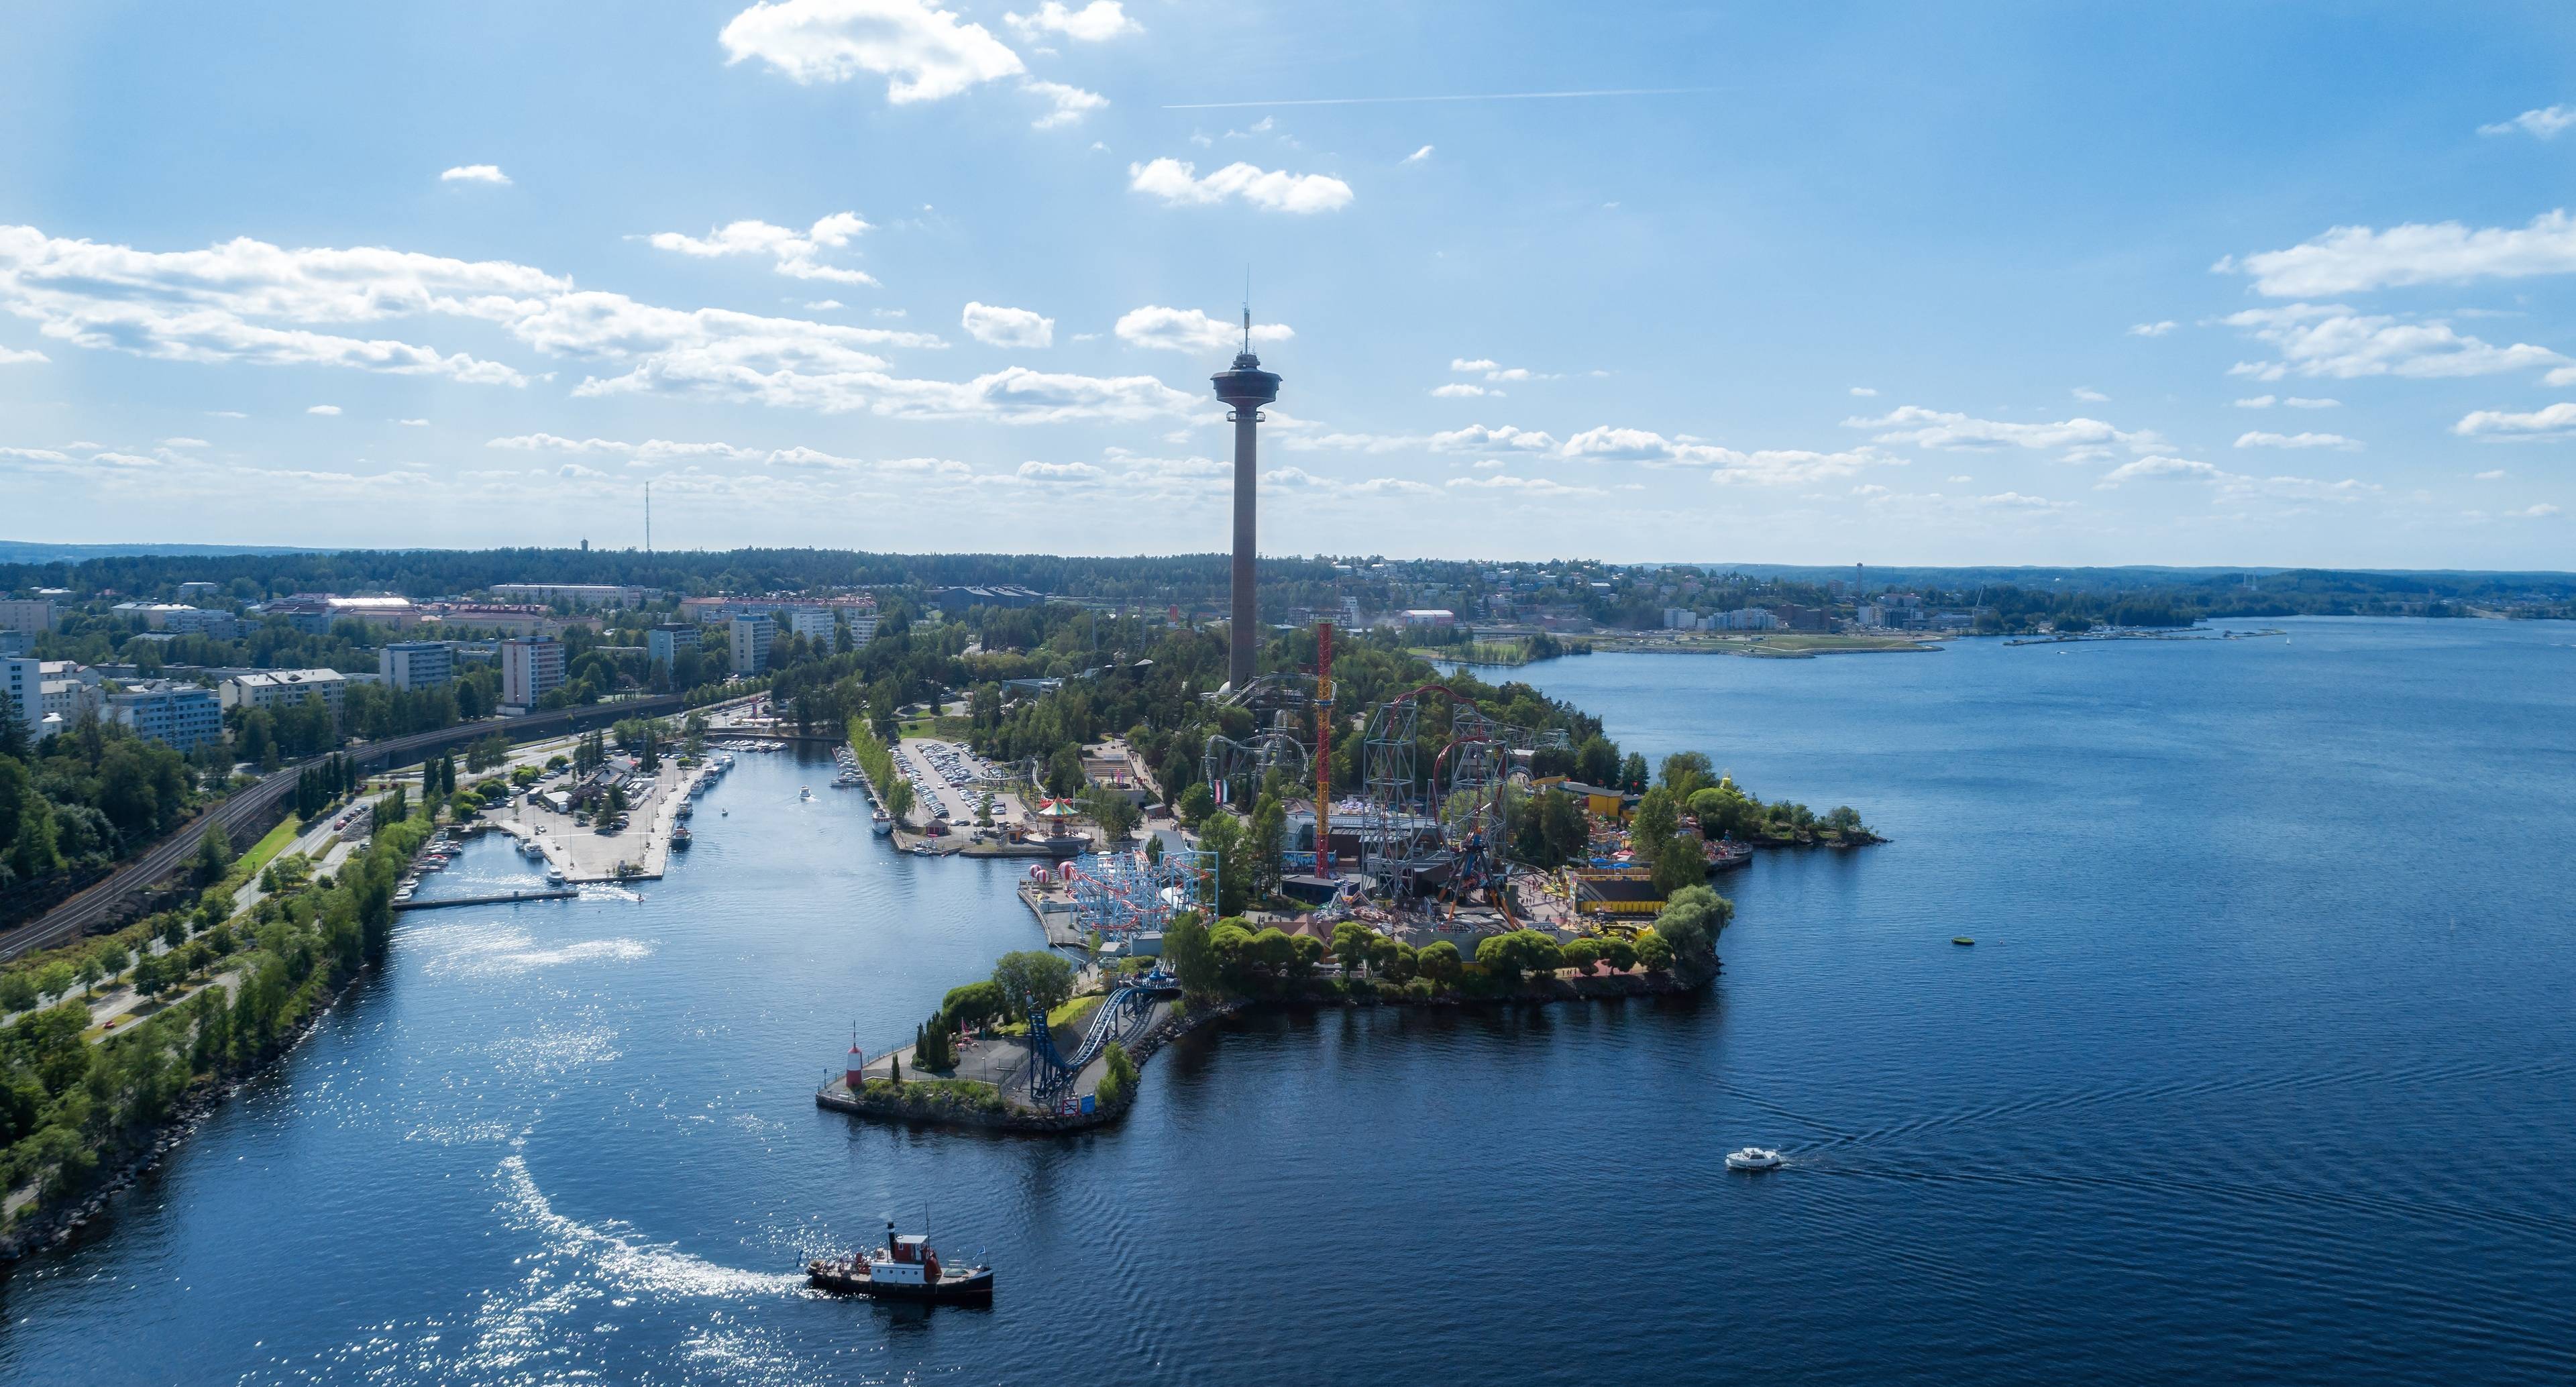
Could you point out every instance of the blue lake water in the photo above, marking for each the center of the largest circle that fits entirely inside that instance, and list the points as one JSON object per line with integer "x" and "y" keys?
{"x": 2262, "y": 1067}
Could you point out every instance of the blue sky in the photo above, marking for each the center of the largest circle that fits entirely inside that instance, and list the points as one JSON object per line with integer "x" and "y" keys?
{"x": 2214, "y": 284}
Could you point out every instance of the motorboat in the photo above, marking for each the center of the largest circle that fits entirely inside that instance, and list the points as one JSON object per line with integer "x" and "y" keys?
{"x": 906, "y": 1268}
{"x": 883, "y": 824}
{"x": 1753, "y": 1158}
{"x": 804, "y": 793}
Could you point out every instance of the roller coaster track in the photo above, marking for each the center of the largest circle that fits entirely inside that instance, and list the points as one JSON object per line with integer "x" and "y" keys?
{"x": 1051, "y": 1071}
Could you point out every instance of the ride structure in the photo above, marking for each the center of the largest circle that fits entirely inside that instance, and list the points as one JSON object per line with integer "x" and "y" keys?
{"x": 1123, "y": 893}
{"x": 1052, "y": 1072}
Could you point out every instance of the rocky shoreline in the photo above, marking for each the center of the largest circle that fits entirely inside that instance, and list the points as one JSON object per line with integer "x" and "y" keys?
{"x": 1605, "y": 987}
{"x": 56, "y": 1228}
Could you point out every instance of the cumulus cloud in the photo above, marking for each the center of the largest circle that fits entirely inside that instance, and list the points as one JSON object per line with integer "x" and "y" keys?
{"x": 322, "y": 409}
{"x": 2090, "y": 395}
{"x": 1175, "y": 181}
{"x": 1093, "y": 23}
{"x": 2495, "y": 475}
{"x": 2303, "y": 402}
{"x": 1864, "y": 392}
{"x": 1060, "y": 472}
{"x": 1008, "y": 327}
{"x": 2236, "y": 485}
{"x": 2546, "y": 123}
{"x": 247, "y": 301}
{"x": 2552, "y": 419}
{"x": 1494, "y": 371}
{"x": 11, "y": 356}
{"x": 1764, "y": 467}
{"x": 1525, "y": 486}
{"x": 657, "y": 452}
{"x": 2256, "y": 402}
{"x": 1071, "y": 103}
{"x": 1418, "y": 156}
{"x": 2335, "y": 342}
{"x": 1459, "y": 390}
{"x": 1476, "y": 438}
{"x": 2155, "y": 329}
{"x": 926, "y": 53}
{"x": 1931, "y": 428}
{"x": 1191, "y": 330}
{"x": 2353, "y": 259}
{"x": 476, "y": 173}
{"x": 792, "y": 253}
{"x": 2257, "y": 439}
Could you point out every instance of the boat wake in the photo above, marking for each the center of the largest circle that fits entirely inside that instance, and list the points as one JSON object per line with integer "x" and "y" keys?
{"x": 620, "y": 1259}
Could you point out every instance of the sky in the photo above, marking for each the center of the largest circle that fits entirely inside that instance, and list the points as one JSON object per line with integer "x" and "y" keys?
{"x": 2009, "y": 283}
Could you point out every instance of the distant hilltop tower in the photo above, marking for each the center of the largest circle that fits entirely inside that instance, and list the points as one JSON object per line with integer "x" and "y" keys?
{"x": 1246, "y": 388}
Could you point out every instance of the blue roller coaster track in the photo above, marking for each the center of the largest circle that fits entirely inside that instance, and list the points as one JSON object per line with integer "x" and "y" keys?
{"x": 1051, "y": 1071}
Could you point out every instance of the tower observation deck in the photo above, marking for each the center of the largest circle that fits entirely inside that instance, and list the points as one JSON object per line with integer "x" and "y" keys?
{"x": 1246, "y": 388}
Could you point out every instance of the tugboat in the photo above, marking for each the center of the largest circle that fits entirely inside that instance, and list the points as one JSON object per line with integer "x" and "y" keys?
{"x": 906, "y": 1268}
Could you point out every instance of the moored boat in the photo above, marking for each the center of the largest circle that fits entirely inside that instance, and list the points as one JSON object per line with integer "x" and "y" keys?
{"x": 680, "y": 837}
{"x": 883, "y": 824}
{"x": 907, "y": 1267}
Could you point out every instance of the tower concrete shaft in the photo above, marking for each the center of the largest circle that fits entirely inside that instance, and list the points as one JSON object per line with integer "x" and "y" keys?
{"x": 1246, "y": 388}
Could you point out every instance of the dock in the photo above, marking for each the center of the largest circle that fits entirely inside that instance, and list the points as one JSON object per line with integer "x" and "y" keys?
{"x": 497, "y": 898}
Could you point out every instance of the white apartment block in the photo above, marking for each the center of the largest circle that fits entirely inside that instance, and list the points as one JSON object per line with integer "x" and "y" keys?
{"x": 416, "y": 664}
{"x": 531, "y": 668}
{"x": 285, "y": 688}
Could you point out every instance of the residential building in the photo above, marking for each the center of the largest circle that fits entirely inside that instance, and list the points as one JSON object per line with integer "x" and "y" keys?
{"x": 1746, "y": 619}
{"x": 285, "y": 688}
{"x": 28, "y": 614}
{"x": 531, "y": 668}
{"x": 510, "y": 619}
{"x": 750, "y": 638}
{"x": 578, "y": 594}
{"x": 666, "y": 642}
{"x": 199, "y": 587}
{"x": 1430, "y": 616}
{"x": 181, "y": 620}
{"x": 416, "y": 664}
{"x": 723, "y": 609}
{"x": 1350, "y": 613}
{"x": 166, "y": 710}
{"x": 957, "y": 600}
{"x": 813, "y": 623}
{"x": 16, "y": 643}
{"x": 314, "y": 612}
{"x": 863, "y": 628}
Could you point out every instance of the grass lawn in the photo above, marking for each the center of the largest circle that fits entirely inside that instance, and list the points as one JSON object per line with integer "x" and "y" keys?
{"x": 266, "y": 849}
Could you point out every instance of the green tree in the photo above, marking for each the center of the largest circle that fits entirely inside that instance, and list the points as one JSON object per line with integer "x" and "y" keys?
{"x": 1352, "y": 944}
{"x": 1689, "y": 924}
{"x": 1686, "y": 773}
{"x": 1681, "y": 862}
{"x": 1654, "y": 952}
{"x": 976, "y": 1003}
{"x": 214, "y": 853}
{"x": 1187, "y": 951}
{"x": 1264, "y": 839}
{"x": 1223, "y": 835}
{"x": 1033, "y": 977}
{"x": 1196, "y": 803}
{"x": 1581, "y": 954}
{"x": 1620, "y": 954}
{"x": 1440, "y": 963}
{"x": 1596, "y": 762}
{"x": 1632, "y": 774}
{"x": 1653, "y": 824}
{"x": 1118, "y": 1076}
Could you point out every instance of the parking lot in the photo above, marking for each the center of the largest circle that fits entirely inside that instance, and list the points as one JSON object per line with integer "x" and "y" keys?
{"x": 946, "y": 776}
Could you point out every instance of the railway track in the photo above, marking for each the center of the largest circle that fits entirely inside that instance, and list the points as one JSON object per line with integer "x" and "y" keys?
{"x": 107, "y": 898}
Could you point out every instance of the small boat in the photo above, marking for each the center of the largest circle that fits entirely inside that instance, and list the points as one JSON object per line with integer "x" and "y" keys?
{"x": 1753, "y": 1158}
{"x": 883, "y": 824}
{"x": 1962, "y": 940}
{"x": 680, "y": 838}
{"x": 803, "y": 793}
{"x": 906, "y": 1268}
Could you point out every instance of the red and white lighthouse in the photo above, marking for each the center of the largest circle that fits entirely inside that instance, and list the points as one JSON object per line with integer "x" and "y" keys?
{"x": 858, "y": 1061}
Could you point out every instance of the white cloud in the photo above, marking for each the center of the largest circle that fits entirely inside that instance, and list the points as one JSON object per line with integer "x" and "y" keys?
{"x": 322, "y": 409}
{"x": 2547, "y": 123}
{"x": 1767, "y": 467}
{"x": 35, "y": 455}
{"x": 1060, "y": 472}
{"x": 1929, "y": 428}
{"x": 247, "y": 301}
{"x": 2155, "y": 329}
{"x": 2497, "y": 475}
{"x": 2090, "y": 395}
{"x": 2302, "y": 402}
{"x": 2295, "y": 440}
{"x": 791, "y": 252}
{"x": 413, "y": 423}
{"x": 1418, "y": 156}
{"x": 1191, "y": 330}
{"x": 926, "y": 53}
{"x": 1462, "y": 364}
{"x": 2014, "y": 500}
{"x": 2256, "y": 402}
{"x": 823, "y": 305}
{"x": 1007, "y": 327}
{"x": 2333, "y": 341}
{"x": 1071, "y": 103}
{"x": 1456, "y": 390}
{"x": 1526, "y": 486}
{"x": 1176, "y": 183}
{"x": 1476, "y": 438}
{"x": 2236, "y": 485}
{"x": 1953, "y": 481}
{"x": 1093, "y": 23}
{"x": 2351, "y": 259}
{"x": 2536, "y": 512}
{"x": 476, "y": 173}
{"x": 11, "y": 356}
{"x": 183, "y": 443}
{"x": 1864, "y": 392}
{"x": 2553, "y": 419}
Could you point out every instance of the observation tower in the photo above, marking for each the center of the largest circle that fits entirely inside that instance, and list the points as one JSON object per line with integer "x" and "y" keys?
{"x": 1246, "y": 388}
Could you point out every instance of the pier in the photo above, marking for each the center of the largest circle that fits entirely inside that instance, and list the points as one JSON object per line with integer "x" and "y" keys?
{"x": 497, "y": 898}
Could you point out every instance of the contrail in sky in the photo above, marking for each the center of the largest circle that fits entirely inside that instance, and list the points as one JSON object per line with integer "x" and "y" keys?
{"x": 1485, "y": 96}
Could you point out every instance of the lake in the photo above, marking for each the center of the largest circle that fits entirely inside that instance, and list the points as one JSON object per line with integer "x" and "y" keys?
{"x": 2262, "y": 1066}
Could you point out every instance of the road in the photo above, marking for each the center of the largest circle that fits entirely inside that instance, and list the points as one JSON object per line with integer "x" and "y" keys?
{"x": 105, "y": 900}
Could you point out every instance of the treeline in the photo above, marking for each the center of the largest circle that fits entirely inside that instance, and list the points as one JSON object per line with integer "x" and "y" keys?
{"x": 84, "y": 799}
{"x": 70, "y": 1108}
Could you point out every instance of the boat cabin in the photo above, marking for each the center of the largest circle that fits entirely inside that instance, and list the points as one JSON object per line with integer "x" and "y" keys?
{"x": 910, "y": 1260}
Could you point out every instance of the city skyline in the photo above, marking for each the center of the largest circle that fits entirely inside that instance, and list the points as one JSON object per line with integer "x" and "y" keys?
{"x": 2219, "y": 288}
